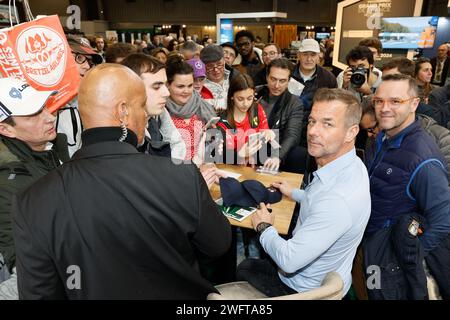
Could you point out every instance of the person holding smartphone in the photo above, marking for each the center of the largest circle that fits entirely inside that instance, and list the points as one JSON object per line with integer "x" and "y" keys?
{"x": 244, "y": 122}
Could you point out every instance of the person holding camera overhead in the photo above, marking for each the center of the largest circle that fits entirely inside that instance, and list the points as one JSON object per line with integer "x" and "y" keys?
{"x": 361, "y": 77}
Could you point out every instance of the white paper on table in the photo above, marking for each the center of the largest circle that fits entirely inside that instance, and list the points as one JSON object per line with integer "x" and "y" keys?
{"x": 230, "y": 174}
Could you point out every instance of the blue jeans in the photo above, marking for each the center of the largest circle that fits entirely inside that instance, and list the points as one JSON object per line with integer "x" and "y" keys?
{"x": 263, "y": 275}
{"x": 4, "y": 272}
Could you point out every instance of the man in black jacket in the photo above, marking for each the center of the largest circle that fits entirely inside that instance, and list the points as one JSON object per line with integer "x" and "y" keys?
{"x": 284, "y": 112}
{"x": 29, "y": 149}
{"x": 114, "y": 223}
{"x": 310, "y": 74}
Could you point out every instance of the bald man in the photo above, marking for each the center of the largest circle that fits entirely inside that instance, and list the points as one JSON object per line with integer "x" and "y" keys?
{"x": 115, "y": 223}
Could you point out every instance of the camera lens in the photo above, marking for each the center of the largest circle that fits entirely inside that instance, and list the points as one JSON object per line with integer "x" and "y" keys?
{"x": 358, "y": 77}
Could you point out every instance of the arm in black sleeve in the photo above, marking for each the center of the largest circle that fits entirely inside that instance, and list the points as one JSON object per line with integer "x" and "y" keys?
{"x": 431, "y": 191}
{"x": 293, "y": 130}
{"x": 213, "y": 234}
{"x": 37, "y": 276}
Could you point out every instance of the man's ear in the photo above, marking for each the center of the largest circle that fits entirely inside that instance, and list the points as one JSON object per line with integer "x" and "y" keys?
{"x": 352, "y": 132}
{"x": 121, "y": 112}
{"x": 7, "y": 130}
{"x": 415, "y": 104}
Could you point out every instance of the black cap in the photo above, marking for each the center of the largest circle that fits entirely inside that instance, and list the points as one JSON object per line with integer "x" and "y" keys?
{"x": 249, "y": 193}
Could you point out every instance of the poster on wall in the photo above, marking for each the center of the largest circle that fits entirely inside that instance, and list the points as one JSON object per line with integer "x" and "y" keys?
{"x": 357, "y": 20}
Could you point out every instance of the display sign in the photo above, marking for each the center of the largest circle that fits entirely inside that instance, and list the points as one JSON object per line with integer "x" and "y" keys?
{"x": 226, "y": 31}
{"x": 408, "y": 32}
{"x": 357, "y": 20}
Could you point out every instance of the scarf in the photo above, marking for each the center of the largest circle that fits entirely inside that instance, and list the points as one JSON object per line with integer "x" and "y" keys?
{"x": 195, "y": 105}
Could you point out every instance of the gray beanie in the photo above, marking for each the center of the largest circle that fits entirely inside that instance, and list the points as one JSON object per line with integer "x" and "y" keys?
{"x": 211, "y": 53}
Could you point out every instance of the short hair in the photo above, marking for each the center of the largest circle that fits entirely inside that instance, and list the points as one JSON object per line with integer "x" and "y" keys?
{"x": 403, "y": 65}
{"x": 176, "y": 65}
{"x": 413, "y": 89}
{"x": 189, "y": 45}
{"x": 360, "y": 53}
{"x": 141, "y": 63}
{"x": 372, "y": 42}
{"x": 367, "y": 106}
{"x": 281, "y": 63}
{"x": 157, "y": 50}
{"x": 9, "y": 121}
{"x": 119, "y": 50}
{"x": 273, "y": 44}
{"x": 353, "y": 112}
{"x": 244, "y": 33}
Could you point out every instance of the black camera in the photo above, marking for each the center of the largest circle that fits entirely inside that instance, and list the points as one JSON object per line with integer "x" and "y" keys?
{"x": 358, "y": 76}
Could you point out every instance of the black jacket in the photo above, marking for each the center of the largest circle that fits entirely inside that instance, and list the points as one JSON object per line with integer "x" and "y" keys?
{"x": 445, "y": 69}
{"x": 440, "y": 100}
{"x": 398, "y": 253}
{"x": 128, "y": 221}
{"x": 286, "y": 116}
{"x": 19, "y": 168}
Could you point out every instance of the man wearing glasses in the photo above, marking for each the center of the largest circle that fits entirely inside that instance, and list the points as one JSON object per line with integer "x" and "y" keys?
{"x": 218, "y": 75}
{"x": 408, "y": 174}
{"x": 271, "y": 51}
{"x": 68, "y": 119}
{"x": 251, "y": 62}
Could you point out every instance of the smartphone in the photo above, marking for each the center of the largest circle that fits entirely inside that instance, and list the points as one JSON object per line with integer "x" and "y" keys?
{"x": 253, "y": 138}
{"x": 211, "y": 122}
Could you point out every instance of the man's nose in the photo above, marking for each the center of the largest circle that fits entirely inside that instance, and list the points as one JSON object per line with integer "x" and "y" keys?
{"x": 165, "y": 91}
{"x": 48, "y": 116}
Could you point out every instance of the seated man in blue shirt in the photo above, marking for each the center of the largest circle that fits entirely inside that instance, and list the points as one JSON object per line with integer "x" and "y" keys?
{"x": 335, "y": 206}
{"x": 407, "y": 171}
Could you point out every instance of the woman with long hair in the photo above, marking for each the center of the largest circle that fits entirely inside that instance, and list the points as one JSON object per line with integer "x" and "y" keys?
{"x": 424, "y": 74}
{"x": 244, "y": 119}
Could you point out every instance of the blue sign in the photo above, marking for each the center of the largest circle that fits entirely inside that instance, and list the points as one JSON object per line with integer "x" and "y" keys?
{"x": 226, "y": 31}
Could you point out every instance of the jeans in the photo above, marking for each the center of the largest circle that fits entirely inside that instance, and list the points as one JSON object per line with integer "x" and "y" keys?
{"x": 4, "y": 273}
{"x": 263, "y": 275}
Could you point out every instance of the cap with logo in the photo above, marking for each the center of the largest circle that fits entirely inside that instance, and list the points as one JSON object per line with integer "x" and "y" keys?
{"x": 309, "y": 45}
{"x": 81, "y": 45}
{"x": 18, "y": 98}
{"x": 248, "y": 193}
{"x": 198, "y": 66}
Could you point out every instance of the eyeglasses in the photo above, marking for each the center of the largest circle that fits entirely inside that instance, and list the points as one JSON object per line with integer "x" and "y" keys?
{"x": 270, "y": 54}
{"x": 243, "y": 44}
{"x": 80, "y": 58}
{"x": 217, "y": 66}
{"x": 199, "y": 79}
{"x": 394, "y": 103}
{"x": 372, "y": 129}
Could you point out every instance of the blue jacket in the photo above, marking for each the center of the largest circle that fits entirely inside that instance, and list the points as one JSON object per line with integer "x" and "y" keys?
{"x": 394, "y": 172}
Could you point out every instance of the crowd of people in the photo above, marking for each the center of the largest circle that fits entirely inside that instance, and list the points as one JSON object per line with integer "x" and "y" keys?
{"x": 109, "y": 197}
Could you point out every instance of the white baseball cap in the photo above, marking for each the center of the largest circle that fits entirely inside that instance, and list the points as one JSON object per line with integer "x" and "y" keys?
{"x": 309, "y": 45}
{"x": 18, "y": 98}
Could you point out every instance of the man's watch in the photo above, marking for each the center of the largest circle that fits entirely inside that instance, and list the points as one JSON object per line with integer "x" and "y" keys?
{"x": 261, "y": 227}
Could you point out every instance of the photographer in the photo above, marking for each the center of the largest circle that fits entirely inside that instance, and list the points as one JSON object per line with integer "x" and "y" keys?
{"x": 361, "y": 77}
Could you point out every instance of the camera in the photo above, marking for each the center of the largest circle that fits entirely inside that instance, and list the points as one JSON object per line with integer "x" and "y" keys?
{"x": 358, "y": 76}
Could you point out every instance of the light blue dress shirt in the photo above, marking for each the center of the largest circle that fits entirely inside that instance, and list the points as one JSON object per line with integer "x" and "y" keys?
{"x": 335, "y": 208}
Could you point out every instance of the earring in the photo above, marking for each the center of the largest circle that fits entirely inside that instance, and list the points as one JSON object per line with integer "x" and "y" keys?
{"x": 124, "y": 132}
